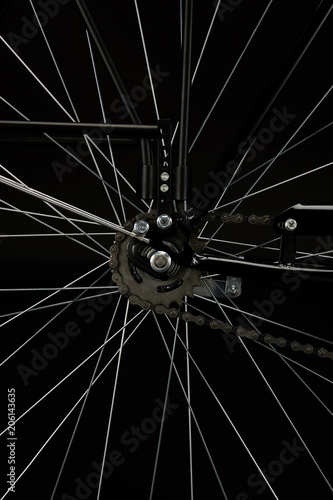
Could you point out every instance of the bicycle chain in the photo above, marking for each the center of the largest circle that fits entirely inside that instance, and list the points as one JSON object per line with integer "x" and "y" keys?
{"x": 200, "y": 320}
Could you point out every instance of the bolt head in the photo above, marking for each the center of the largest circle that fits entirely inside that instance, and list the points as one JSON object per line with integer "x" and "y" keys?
{"x": 141, "y": 227}
{"x": 165, "y": 176}
{"x": 164, "y": 188}
{"x": 160, "y": 261}
{"x": 290, "y": 224}
{"x": 233, "y": 290}
{"x": 164, "y": 221}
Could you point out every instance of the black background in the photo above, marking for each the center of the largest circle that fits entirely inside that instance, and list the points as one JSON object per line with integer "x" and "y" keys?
{"x": 42, "y": 262}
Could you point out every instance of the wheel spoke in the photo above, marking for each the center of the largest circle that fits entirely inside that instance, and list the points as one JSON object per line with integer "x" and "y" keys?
{"x": 113, "y": 400}
{"x": 37, "y": 79}
{"x": 55, "y": 316}
{"x": 147, "y": 59}
{"x": 108, "y": 137}
{"x": 230, "y": 76}
{"x": 80, "y": 365}
{"x": 248, "y": 193}
{"x": 192, "y": 412}
{"x": 280, "y": 406}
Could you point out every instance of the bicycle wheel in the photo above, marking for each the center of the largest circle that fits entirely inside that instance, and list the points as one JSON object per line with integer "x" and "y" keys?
{"x": 161, "y": 339}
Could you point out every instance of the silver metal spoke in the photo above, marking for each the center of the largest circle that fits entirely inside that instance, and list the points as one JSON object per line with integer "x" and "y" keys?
{"x": 326, "y": 254}
{"x": 268, "y": 188}
{"x": 104, "y": 185}
{"x": 321, "y": 100}
{"x": 204, "y": 313}
{"x": 37, "y": 79}
{"x": 112, "y": 401}
{"x": 164, "y": 406}
{"x": 58, "y": 304}
{"x": 252, "y": 315}
{"x": 108, "y": 137}
{"x": 205, "y": 42}
{"x": 86, "y": 137}
{"x": 60, "y": 425}
{"x": 79, "y": 366}
{"x": 52, "y": 295}
{"x": 84, "y": 165}
{"x": 147, "y": 60}
{"x": 315, "y": 463}
{"x": 54, "y": 229}
{"x": 50, "y": 235}
{"x": 277, "y": 400}
{"x": 58, "y": 212}
{"x": 54, "y": 317}
{"x": 54, "y": 61}
{"x": 67, "y": 206}
{"x": 191, "y": 409}
{"x": 284, "y": 359}
{"x": 42, "y": 289}
{"x": 261, "y": 245}
{"x": 48, "y": 216}
{"x": 87, "y": 393}
{"x": 230, "y": 75}
{"x": 188, "y": 387}
{"x": 302, "y": 141}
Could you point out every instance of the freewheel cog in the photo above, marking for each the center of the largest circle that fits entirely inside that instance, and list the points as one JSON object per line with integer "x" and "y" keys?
{"x": 150, "y": 276}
